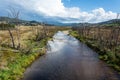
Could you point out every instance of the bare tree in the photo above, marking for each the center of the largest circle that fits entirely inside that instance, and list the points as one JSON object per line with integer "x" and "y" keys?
{"x": 15, "y": 15}
{"x": 44, "y": 30}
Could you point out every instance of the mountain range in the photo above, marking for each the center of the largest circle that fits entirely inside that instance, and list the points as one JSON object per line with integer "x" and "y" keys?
{"x": 26, "y": 22}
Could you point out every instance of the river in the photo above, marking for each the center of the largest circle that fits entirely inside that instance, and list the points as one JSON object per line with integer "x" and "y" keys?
{"x": 69, "y": 59}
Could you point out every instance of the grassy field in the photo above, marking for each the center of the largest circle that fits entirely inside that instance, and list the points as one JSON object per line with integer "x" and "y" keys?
{"x": 13, "y": 62}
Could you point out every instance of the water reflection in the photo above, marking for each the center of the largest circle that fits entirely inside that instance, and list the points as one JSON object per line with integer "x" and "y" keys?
{"x": 59, "y": 41}
{"x": 68, "y": 59}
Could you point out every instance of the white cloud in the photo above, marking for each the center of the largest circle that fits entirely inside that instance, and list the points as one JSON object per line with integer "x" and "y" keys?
{"x": 56, "y": 8}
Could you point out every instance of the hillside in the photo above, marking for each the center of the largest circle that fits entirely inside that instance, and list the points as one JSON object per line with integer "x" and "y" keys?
{"x": 25, "y": 22}
{"x": 14, "y": 21}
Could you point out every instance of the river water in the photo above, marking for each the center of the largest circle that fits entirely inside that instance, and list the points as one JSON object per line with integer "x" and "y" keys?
{"x": 69, "y": 59}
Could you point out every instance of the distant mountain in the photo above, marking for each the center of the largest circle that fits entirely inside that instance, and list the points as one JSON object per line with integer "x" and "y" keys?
{"x": 72, "y": 24}
{"x": 25, "y": 22}
{"x": 22, "y": 22}
{"x": 82, "y": 24}
{"x": 113, "y": 21}
{"x": 10, "y": 20}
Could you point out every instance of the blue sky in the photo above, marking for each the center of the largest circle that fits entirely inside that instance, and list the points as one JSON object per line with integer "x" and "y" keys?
{"x": 63, "y": 11}
{"x": 88, "y": 5}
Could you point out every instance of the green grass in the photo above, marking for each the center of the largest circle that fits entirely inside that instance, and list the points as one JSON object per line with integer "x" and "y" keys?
{"x": 18, "y": 62}
{"x": 16, "y": 68}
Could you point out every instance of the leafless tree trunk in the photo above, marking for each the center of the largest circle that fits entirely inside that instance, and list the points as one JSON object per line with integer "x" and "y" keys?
{"x": 15, "y": 15}
{"x": 44, "y": 30}
{"x": 12, "y": 39}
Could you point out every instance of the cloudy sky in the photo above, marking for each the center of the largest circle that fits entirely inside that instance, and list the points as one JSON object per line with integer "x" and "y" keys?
{"x": 63, "y": 11}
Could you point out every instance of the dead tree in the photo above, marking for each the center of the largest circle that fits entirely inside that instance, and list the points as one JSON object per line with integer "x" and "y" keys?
{"x": 9, "y": 27}
{"x": 44, "y": 30}
{"x": 117, "y": 32}
{"x": 15, "y": 15}
{"x": 12, "y": 38}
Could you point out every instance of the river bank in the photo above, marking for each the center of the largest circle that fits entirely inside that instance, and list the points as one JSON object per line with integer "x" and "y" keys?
{"x": 105, "y": 55}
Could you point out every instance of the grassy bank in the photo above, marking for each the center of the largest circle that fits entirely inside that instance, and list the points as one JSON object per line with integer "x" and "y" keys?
{"x": 33, "y": 40}
{"x": 107, "y": 55}
{"x": 15, "y": 62}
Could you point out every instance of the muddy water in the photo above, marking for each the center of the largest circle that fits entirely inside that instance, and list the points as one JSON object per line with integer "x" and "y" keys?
{"x": 69, "y": 59}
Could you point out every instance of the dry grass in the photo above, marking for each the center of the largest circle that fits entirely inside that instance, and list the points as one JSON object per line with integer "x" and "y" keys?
{"x": 26, "y": 32}
{"x": 98, "y": 32}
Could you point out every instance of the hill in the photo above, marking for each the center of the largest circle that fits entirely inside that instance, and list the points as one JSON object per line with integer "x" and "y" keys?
{"x": 25, "y": 22}
{"x": 14, "y": 21}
